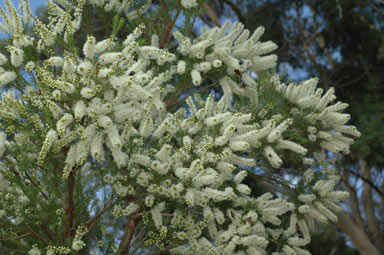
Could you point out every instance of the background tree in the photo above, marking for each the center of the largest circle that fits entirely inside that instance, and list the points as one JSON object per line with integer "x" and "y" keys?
{"x": 342, "y": 43}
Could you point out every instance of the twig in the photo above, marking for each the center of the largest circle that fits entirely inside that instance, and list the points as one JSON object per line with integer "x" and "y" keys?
{"x": 38, "y": 236}
{"x": 37, "y": 186}
{"x": 169, "y": 28}
{"x": 236, "y": 9}
{"x": 124, "y": 245}
{"x": 98, "y": 215}
{"x": 368, "y": 182}
{"x": 138, "y": 236}
{"x": 17, "y": 237}
{"x": 70, "y": 208}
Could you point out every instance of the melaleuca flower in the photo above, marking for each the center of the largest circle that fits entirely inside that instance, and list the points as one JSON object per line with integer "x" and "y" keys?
{"x": 137, "y": 121}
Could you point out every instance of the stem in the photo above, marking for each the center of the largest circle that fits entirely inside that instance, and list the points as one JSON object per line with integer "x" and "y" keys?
{"x": 70, "y": 208}
{"x": 169, "y": 28}
{"x": 98, "y": 215}
{"x": 124, "y": 246}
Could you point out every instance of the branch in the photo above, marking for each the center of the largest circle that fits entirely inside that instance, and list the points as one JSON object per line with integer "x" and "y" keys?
{"x": 368, "y": 182}
{"x": 37, "y": 186}
{"x": 236, "y": 9}
{"x": 356, "y": 213}
{"x": 212, "y": 14}
{"x": 125, "y": 243}
{"x": 17, "y": 237}
{"x": 169, "y": 28}
{"x": 38, "y": 236}
{"x": 373, "y": 224}
{"x": 70, "y": 208}
{"x": 98, "y": 215}
{"x": 357, "y": 235}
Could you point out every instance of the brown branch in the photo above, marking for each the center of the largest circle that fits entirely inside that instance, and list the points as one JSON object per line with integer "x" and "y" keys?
{"x": 37, "y": 186}
{"x": 38, "y": 236}
{"x": 191, "y": 27}
{"x": 372, "y": 221}
{"x": 49, "y": 233}
{"x": 212, "y": 15}
{"x": 125, "y": 242}
{"x": 169, "y": 28}
{"x": 17, "y": 237}
{"x": 320, "y": 38}
{"x": 377, "y": 189}
{"x": 236, "y": 9}
{"x": 98, "y": 215}
{"x": 70, "y": 206}
{"x": 357, "y": 235}
{"x": 165, "y": 9}
{"x": 356, "y": 213}
{"x": 303, "y": 39}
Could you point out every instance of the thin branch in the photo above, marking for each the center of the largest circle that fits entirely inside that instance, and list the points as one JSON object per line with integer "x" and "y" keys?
{"x": 236, "y": 9}
{"x": 99, "y": 214}
{"x": 169, "y": 28}
{"x": 125, "y": 242}
{"x": 212, "y": 15}
{"x": 138, "y": 236}
{"x": 70, "y": 208}
{"x": 165, "y": 9}
{"x": 356, "y": 213}
{"x": 38, "y": 236}
{"x": 369, "y": 182}
{"x": 17, "y": 237}
{"x": 37, "y": 186}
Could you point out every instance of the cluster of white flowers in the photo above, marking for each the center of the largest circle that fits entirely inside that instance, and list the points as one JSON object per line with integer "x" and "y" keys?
{"x": 184, "y": 171}
{"x": 189, "y": 3}
{"x": 236, "y": 49}
{"x": 327, "y": 123}
{"x": 34, "y": 251}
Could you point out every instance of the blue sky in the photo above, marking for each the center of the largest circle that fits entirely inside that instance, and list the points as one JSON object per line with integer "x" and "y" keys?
{"x": 34, "y": 4}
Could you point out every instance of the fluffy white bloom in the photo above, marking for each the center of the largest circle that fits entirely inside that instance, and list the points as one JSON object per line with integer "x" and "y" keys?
{"x": 69, "y": 66}
{"x": 3, "y": 59}
{"x": 217, "y": 63}
{"x": 77, "y": 245}
{"x": 84, "y": 68}
{"x": 55, "y": 61}
{"x": 62, "y": 124}
{"x": 244, "y": 189}
{"x": 189, "y": 3}
{"x": 131, "y": 208}
{"x": 196, "y": 77}
{"x": 160, "y": 168}
{"x": 34, "y": 251}
{"x": 146, "y": 127}
{"x": 285, "y": 144}
{"x": 156, "y": 214}
{"x": 238, "y": 145}
{"x": 272, "y": 157}
{"x": 17, "y": 56}
{"x": 110, "y": 57}
{"x": 7, "y": 77}
{"x": 3, "y": 213}
{"x": 103, "y": 45}
{"x": 181, "y": 66}
{"x": 89, "y": 47}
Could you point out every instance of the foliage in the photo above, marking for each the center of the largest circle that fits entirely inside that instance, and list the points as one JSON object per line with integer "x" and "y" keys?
{"x": 112, "y": 145}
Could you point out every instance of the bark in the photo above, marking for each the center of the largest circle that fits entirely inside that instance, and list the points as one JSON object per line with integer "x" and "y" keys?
{"x": 356, "y": 214}
{"x": 372, "y": 221}
{"x": 212, "y": 14}
{"x": 125, "y": 243}
{"x": 357, "y": 235}
{"x": 70, "y": 207}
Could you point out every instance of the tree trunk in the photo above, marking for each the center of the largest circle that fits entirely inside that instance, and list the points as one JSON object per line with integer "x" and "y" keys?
{"x": 357, "y": 235}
